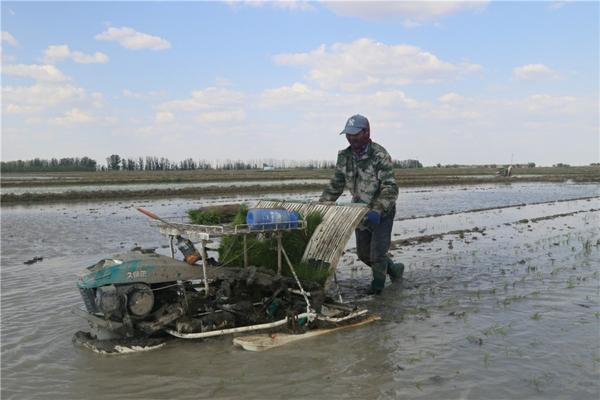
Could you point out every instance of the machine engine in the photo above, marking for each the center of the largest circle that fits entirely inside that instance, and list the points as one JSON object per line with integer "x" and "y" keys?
{"x": 116, "y": 301}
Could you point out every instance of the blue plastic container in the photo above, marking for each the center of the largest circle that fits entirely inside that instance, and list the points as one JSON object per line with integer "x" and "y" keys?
{"x": 271, "y": 218}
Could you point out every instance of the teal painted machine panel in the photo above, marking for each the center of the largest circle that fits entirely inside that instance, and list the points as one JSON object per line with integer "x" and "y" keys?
{"x": 132, "y": 268}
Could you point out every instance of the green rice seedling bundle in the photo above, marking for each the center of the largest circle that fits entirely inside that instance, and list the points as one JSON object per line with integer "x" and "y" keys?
{"x": 262, "y": 249}
{"x": 215, "y": 215}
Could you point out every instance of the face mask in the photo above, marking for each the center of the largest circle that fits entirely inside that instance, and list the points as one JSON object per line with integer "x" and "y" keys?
{"x": 359, "y": 142}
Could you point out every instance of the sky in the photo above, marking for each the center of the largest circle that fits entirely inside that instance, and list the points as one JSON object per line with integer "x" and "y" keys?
{"x": 441, "y": 82}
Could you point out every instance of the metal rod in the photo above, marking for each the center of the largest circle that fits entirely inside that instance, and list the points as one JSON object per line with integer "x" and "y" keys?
{"x": 236, "y": 330}
{"x": 171, "y": 238}
{"x": 245, "y": 251}
{"x": 337, "y": 287}
{"x": 304, "y": 294}
{"x": 204, "y": 263}
{"x": 154, "y": 216}
{"x": 353, "y": 314}
{"x": 279, "y": 251}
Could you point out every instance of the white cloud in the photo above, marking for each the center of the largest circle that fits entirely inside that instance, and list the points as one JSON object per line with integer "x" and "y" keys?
{"x": 74, "y": 117}
{"x": 153, "y": 94}
{"x": 131, "y": 94}
{"x": 133, "y": 40}
{"x": 164, "y": 117}
{"x": 365, "y": 63}
{"x": 6, "y": 58}
{"x": 497, "y": 112}
{"x": 294, "y": 94}
{"x": 44, "y": 73}
{"x": 392, "y": 100}
{"x": 413, "y": 12}
{"x": 211, "y": 105}
{"x": 39, "y": 97}
{"x": 97, "y": 99}
{"x": 533, "y": 72}
{"x": 455, "y": 112}
{"x": 211, "y": 98}
{"x": 222, "y": 116}
{"x": 547, "y": 104}
{"x": 61, "y": 52}
{"x": 320, "y": 108}
{"x": 292, "y": 5}
{"x": 8, "y": 38}
{"x": 558, "y": 4}
{"x": 450, "y": 98}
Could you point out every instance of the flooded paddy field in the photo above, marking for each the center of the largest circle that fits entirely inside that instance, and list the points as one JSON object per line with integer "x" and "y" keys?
{"x": 116, "y": 185}
{"x": 501, "y": 299}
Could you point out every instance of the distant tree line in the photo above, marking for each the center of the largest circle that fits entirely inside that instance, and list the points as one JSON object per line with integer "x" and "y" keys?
{"x": 150, "y": 163}
{"x": 527, "y": 165}
{"x": 407, "y": 164}
{"x": 52, "y": 165}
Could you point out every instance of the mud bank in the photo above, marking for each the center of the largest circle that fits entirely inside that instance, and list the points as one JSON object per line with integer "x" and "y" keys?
{"x": 74, "y": 196}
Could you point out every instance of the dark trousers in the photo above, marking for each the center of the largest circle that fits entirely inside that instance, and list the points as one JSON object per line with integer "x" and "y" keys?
{"x": 373, "y": 243}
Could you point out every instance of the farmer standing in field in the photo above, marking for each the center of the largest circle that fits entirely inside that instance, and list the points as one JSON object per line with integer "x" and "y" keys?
{"x": 365, "y": 168}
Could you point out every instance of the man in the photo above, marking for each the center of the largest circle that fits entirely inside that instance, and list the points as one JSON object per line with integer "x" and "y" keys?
{"x": 365, "y": 168}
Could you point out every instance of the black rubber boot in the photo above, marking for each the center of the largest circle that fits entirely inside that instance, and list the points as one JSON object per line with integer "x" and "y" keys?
{"x": 395, "y": 271}
{"x": 378, "y": 282}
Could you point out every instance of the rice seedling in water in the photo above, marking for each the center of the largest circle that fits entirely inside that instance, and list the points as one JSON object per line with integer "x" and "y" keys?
{"x": 497, "y": 330}
{"x": 512, "y": 299}
{"x": 587, "y": 247}
{"x": 536, "y": 317}
{"x": 535, "y": 343}
{"x": 537, "y": 380}
{"x": 449, "y": 303}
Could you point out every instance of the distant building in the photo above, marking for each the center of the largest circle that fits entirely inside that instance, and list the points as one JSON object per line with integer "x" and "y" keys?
{"x": 267, "y": 167}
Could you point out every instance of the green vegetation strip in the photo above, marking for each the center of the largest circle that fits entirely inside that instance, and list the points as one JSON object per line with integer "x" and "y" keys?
{"x": 73, "y": 196}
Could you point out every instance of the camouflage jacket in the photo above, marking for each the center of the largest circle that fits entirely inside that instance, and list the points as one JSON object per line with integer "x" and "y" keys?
{"x": 370, "y": 179}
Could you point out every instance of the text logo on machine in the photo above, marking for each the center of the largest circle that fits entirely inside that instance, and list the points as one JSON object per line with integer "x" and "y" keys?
{"x": 137, "y": 274}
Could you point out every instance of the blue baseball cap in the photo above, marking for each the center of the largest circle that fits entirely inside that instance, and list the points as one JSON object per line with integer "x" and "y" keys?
{"x": 355, "y": 125}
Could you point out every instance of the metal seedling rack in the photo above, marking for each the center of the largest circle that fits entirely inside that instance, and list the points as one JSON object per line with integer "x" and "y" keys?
{"x": 203, "y": 233}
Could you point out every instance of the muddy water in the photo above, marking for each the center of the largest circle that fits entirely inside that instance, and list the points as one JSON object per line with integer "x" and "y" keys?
{"x": 512, "y": 312}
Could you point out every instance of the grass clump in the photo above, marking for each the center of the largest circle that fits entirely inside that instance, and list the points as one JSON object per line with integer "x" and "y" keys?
{"x": 262, "y": 249}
